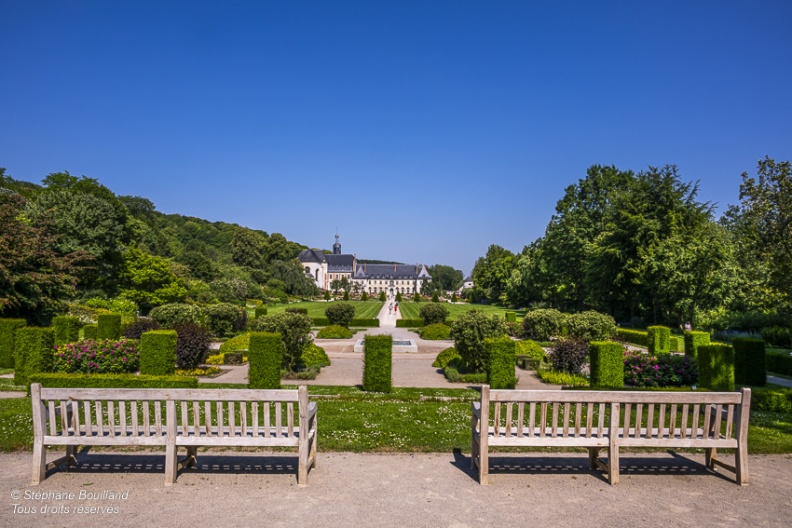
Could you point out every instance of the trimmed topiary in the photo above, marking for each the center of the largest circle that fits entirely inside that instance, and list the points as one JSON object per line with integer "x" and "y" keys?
{"x": 417, "y": 297}
{"x": 315, "y": 356}
{"x": 445, "y": 357}
{"x": 716, "y": 367}
{"x": 346, "y": 295}
{"x": 364, "y": 297}
{"x": 433, "y": 313}
{"x": 294, "y": 309}
{"x": 240, "y": 342}
{"x": 90, "y": 331}
{"x": 750, "y": 365}
{"x": 590, "y": 326}
{"x": 225, "y": 319}
{"x": 693, "y": 340}
{"x": 158, "y": 352}
{"x": 383, "y": 297}
{"x": 500, "y": 358}
{"x": 66, "y": 328}
{"x": 265, "y": 358}
{"x": 377, "y": 363}
{"x": 334, "y": 332}
{"x": 606, "y": 360}
{"x": 171, "y": 315}
{"x": 8, "y": 329}
{"x": 326, "y": 295}
{"x": 398, "y": 297}
{"x": 634, "y": 337}
{"x": 33, "y": 352}
{"x": 109, "y": 326}
{"x": 511, "y": 317}
{"x": 261, "y": 311}
{"x": 340, "y": 314}
{"x": 658, "y": 340}
{"x": 436, "y": 332}
{"x": 543, "y": 324}
{"x": 435, "y": 297}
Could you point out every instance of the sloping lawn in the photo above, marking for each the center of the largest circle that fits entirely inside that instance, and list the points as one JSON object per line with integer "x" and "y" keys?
{"x": 411, "y": 310}
{"x": 363, "y": 310}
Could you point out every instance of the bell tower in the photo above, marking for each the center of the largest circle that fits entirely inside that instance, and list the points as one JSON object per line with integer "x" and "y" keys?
{"x": 337, "y": 246}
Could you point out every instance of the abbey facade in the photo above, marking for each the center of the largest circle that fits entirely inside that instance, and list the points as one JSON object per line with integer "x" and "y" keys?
{"x": 362, "y": 277}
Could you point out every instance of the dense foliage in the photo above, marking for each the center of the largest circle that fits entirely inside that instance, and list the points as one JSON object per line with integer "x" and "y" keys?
{"x": 340, "y": 314}
{"x": 295, "y": 331}
{"x": 569, "y": 355}
{"x": 469, "y": 332}
{"x": 433, "y": 313}
{"x": 106, "y": 356}
{"x": 192, "y": 345}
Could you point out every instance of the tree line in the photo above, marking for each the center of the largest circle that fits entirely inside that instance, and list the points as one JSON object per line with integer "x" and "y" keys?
{"x": 644, "y": 248}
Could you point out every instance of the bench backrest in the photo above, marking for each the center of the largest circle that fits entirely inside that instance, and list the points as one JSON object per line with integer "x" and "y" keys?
{"x": 153, "y": 412}
{"x": 628, "y": 414}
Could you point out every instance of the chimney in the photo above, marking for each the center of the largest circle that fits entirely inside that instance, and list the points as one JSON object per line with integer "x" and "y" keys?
{"x": 364, "y": 267}
{"x": 394, "y": 266}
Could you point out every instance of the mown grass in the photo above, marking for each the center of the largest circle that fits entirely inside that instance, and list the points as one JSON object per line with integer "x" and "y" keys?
{"x": 406, "y": 420}
{"x": 363, "y": 310}
{"x": 411, "y": 310}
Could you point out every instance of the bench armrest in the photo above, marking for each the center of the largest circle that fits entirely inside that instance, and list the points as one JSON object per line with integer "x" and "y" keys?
{"x": 311, "y": 411}
{"x": 477, "y": 409}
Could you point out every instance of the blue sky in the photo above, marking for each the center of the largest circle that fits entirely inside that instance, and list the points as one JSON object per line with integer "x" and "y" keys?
{"x": 423, "y": 131}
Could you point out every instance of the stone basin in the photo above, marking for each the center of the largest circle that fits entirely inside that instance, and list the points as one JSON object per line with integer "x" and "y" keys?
{"x": 399, "y": 345}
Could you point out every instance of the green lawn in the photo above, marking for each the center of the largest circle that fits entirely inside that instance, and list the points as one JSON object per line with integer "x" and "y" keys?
{"x": 410, "y": 309}
{"x": 363, "y": 310}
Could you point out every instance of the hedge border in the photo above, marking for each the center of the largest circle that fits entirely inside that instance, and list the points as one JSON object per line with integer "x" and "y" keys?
{"x": 115, "y": 381}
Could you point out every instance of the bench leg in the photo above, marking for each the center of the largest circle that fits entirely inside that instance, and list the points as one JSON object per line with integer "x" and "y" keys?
{"x": 593, "y": 455}
{"x": 741, "y": 465}
{"x": 39, "y": 462}
{"x": 171, "y": 464}
{"x": 613, "y": 464}
{"x": 192, "y": 456}
{"x": 710, "y": 454}
{"x": 483, "y": 462}
{"x": 71, "y": 456}
{"x": 302, "y": 462}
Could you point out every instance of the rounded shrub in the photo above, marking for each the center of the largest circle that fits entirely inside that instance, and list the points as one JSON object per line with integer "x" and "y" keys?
{"x": 590, "y": 326}
{"x": 543, "y": 324}
{"x": 137, "y": 328}
{"x": 171, "y": 315}
{"x": 315, "y": 356}
{"x": 192, "y": 345}
{"x": 240, "y": 342}
{"x": 469, "y": 332}
{"x": 294, "y": 309}
{"x": 532, "y": 349}
{"x": 436, "y": 332}
{"x": 334, "y": 332}
{"x": 224, "y": 319}
{"x": 435, "y": 297}
{"x": 326, "y": 295}
{"x": 445, "y": 357}
{"x": 295, "y": 331}
{"x": 569, "y": 355}
{"x": 340, "y": 314}
{"x": 433, "y": 313}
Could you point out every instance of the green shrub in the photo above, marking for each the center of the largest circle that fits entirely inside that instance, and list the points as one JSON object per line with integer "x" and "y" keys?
{"x": 90, "y": 331}
{"x": 346, "y": 295}
{"x": 454, "y": 297}
{"x": 225, "y": 319}
{"x": 434, "y": 313}
{"x": 634, "y": 337}
{"x": 436, "y": 331}
{"x": 192, "y": 345}
{"x": 326, "y": 295}
{"x": 531, "y": 348}
{"x": 265, "y": 359}
{"x": 158, "y": 352}
{"x": 606, "y": 360}
{"x": 777, "y": 336}
{"x": 116, "y": 305}
{"x": 398, "y": 297}
{"x": 499, "y": 362}
{"x": 569, "y": 355}
{"x": 554, "y": 377}
{"x": 364, "y": 297}
{"x": 435, "y": 297}
{"x": 454, "y": 376}
{"x": 320, "y": 321}
{"x": 377, "y": 363}
{"x": 383, "y": 297}
{"x": 693, "y": 340}
{"x": 334, "y": 332}
{"x": 771, "y": 400}
{"x": 139, "y": 327}
{"x": 716, "y": 367}
{"x": 109, "y": 326}
{"x": 658, "y": 340}
{"x": 445, "y": 357}
{"x": 417, "y": 297}
{"x": 260, "y": 311}
{"x": 469, "y": 332}
{"x": 114, "y": 381}
{"x": 750, "y": 367}
{"x": 295, "y": 331}
{"x": 66, "y": 329}
{"x": 511, "y": 317}
{"x": 543, "y": 324}
{"x": 365, "y": 323}
{"x": 340, "y": 314}
{"x": 171, "y": 315}
{"x": 33, "y": 351}
{"x": 315, "y": 356}
{"x": 590, "y": 326}
{"x": 240, "y": 342}
{"x": 779, "y": 363}
{"x": 676, "y": 344}
{"x": 8, "y": 329}
{"x": 294, "y": 309}
{"x": 409, "y": 323}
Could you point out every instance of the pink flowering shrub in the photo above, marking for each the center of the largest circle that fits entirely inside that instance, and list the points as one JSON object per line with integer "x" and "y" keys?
{"x": 95, "y": 357}
{"x": 663, "y": 370}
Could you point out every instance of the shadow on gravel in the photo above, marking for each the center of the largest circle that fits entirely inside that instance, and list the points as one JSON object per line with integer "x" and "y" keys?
{"x": 630, "y": 464}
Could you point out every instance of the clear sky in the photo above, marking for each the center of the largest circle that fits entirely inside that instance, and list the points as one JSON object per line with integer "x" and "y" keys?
{"x": 424, "y": 131}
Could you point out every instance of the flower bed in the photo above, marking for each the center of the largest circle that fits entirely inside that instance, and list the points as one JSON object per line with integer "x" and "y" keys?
{"x": 95, "y": 357}
{"x": 663, "y": 370}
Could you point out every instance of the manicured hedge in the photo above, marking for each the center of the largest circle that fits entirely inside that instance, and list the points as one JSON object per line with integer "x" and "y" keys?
{"x": 109, "y": 326}
{"x": 261, "y": 311}
{"x": 320, "y": 321}
{"x": 171, "y": 315}
{"x": 779, "y": 363}
{"x": 693, "y": 340}
{"x": 265, "y": 358}
{"x": 658, "y": 339}
{"x": 634, "y": 337}
{"x": 445, "y": 357}
{"x": 116, "y": 381}
{"x": 750, "y": 367}
{"x": 334, "y": 332}
{"x": 511, "y": 317}
{"x": 8, "y": 329}
{"x": 33, "y": 351}
{"x": 716, "y": 367}
{"x": 499, "y": 361}
{"x": 436, "y": 331}
{"x": 771, "y": 400}
{"x": 365, "y": 323}
{"x": 377, "y": 363}
{"x": 158, "y": 352}
{"x": 676, "y": 343}
{"x": 409, "y": 323}
{"x": 66, "y": 328}
{"x": 606, "y": 360}
{"x": 315, "y": 356}
{"x": 90, "y": 331}
{"x": 294, "y": 309}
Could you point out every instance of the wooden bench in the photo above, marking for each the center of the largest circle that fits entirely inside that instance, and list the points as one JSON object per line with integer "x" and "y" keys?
{"x": 599, "y": 420}
{"x": 171, "y": 418}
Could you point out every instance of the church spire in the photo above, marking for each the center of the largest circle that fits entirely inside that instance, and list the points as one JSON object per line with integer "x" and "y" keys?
{"x": 337, "y": 246}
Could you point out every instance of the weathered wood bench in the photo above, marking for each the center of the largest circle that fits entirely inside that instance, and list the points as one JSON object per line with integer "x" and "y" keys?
{"x": 171, "y": 418}
{"x": 599, "y": 420}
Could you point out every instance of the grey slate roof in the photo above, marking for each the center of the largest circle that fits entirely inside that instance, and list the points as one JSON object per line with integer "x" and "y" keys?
{"x": 391, "y": 271}
{"x": 340, "y": 263}
{"x": 311, "y": 255}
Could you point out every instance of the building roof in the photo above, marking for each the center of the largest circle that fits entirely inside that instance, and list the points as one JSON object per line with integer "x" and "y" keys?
{"x": 392, "y": 271}
{"x": 311, "y": 255}
{"x": 340, "y": 263}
